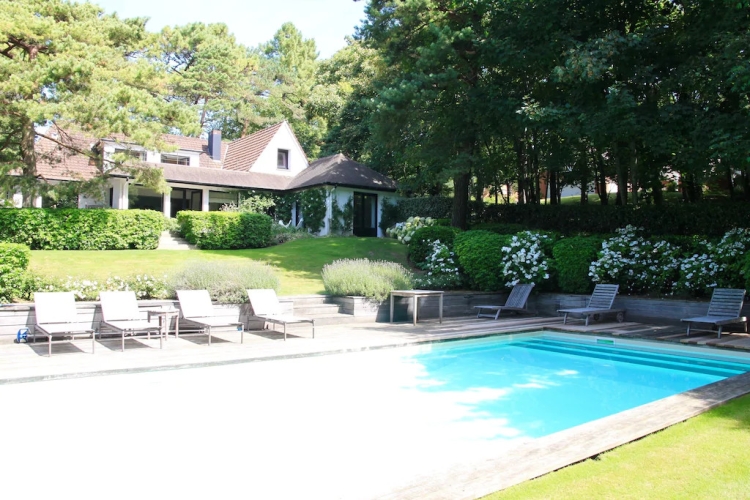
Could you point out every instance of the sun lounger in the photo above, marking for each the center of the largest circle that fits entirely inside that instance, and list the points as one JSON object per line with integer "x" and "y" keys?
{"x": 724, "y": 309}
{"x": 266, "y": 306}
{"x": 599, "y": 303}
{"x": 197, "y": 310}
{"x": 56, "y": 316}
{"x": 120, "y": 312}
{"x": 516, "y": 302}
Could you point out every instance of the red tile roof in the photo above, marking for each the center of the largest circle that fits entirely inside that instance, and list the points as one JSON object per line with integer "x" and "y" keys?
{"x": 244, "y": 152}
{"x": 56, "y": 162}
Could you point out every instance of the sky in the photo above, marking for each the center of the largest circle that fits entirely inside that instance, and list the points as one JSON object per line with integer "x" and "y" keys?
{"x": 252, "y": 21}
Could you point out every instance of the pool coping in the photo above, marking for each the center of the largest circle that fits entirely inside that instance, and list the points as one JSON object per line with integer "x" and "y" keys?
{"x": 513, "y": 464}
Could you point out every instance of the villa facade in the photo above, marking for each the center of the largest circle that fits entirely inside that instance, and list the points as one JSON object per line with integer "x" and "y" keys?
{"x": 205, "y": 174}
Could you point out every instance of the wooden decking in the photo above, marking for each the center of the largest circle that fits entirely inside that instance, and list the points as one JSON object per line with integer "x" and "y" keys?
{"x": 23, "y": 363}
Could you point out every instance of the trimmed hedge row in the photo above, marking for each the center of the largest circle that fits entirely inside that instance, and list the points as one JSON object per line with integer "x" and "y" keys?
{"x": 711, "y": 219}
{"x": 14, "y": 259}
{"x": 225, "y": 230}
{"x": 81, "y": 229}
{"x": 420, "y": 245}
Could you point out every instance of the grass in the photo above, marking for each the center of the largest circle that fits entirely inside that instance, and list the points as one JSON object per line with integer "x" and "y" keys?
{"x": 705, "y": 457}
{"x": 299, "y": 263}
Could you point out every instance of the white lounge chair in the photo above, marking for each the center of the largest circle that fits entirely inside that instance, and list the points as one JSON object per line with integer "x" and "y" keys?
{"x": 121, "y": 313}
{"x": 266, "y": 305}
{"x": 725, "y": 309}
{"x": 599, "y": 303}
{"x": 198, "y": 310}
{"x": 56, "y": 316}
{"x": 516, "y": 302}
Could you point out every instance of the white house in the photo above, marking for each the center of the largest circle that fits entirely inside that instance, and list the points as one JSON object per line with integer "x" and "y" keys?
{"x": 205, "y": 174}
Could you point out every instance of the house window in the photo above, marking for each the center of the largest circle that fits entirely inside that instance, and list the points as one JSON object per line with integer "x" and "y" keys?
{"x": 175, "y": 159}
{"x": 283, "y": 159}
{"x": 138, "y": 155}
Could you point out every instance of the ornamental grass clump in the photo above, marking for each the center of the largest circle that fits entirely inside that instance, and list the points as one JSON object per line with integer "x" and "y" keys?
{"x": 362, "y": 277}
{"x": 226, "y": 282}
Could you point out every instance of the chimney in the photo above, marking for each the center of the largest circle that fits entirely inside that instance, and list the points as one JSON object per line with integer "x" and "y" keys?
{"x": 214, "y": 145}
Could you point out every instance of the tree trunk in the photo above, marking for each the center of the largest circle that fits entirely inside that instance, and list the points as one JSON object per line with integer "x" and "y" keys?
{"x": 622, "y": 178}
{"x": 460, "y": 200}
{"x": 521, "y": 171}
{"x": 552, "y": 186}
{"x": 28, "y": 157}
{"x": 601, "y": 180}
{"x": 634, "y": 171}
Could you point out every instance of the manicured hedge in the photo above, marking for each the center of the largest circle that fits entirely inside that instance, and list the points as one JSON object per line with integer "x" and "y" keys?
{"x": 14, "y": 259}
{"x": 479, "y": 254}
{"x": 81, "y": 229}
{"x": 421, "y": 241}
{"x": 572, "y": 258}
{"x": 225, "y": 230}
{"x": 710, "y": 219}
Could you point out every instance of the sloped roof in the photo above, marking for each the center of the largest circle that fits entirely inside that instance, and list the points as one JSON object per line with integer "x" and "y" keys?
{"x": 244, "y": 152}
{"x": 186, "y": 144}
{"x": 57, "y": 163}
{"x": 223, "y": 178}
{"x": 338, "y": 170}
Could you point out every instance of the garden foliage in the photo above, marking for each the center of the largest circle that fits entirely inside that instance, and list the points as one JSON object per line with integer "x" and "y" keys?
{"x": 81, "y": 229}
{"x": 525, "y": 260}
{"x": 225, "y": 230}
{"x": 441, "y": 269}
{"x": 14, "y": 259}
{"x": 421, "y": 242}
{"x": 366, "y": 278}
{"x": 226, "y": 282}
{"x": 403, "y": 231}
{"x": 572, "y": 258}
{"x": 480, "y": 256}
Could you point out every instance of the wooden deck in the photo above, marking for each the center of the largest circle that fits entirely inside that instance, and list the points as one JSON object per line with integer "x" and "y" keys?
{"x": 23, "y": 363}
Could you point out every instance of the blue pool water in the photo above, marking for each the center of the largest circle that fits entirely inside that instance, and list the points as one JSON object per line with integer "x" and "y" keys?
{"x": 544, "y": 383}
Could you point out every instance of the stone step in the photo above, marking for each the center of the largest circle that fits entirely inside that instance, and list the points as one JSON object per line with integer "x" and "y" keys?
{"x": 315, "y": 310}
{"x": 308, "y": 300}
{"x": 169, "y": 242}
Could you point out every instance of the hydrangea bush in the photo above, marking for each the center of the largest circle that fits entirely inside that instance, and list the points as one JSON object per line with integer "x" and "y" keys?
{"x": 635, "y": 263}
{"x": 524, "y": 260}
{"x": 719, "y": 264}
{"x": 403, "y": 231}
{"x": 442, "y": 269}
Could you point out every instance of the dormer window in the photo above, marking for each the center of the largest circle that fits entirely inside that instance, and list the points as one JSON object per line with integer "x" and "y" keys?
{"x": 138, "y": 155}
{"x": 283, "y": 159}
{"x": 175, "y": 159}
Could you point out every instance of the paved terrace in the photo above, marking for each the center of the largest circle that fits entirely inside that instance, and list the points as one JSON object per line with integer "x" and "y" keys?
{"x": 23, "y": 363}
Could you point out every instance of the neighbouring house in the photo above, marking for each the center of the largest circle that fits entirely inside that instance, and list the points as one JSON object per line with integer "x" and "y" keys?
{"x": 205, "y": 174}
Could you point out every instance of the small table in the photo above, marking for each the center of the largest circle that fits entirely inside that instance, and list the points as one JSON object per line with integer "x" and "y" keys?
{"x": 165, "y": 315}
{"x": 415, "y": 295}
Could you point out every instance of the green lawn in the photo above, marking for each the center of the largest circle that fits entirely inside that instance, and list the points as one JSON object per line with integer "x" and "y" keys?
{"x": 299, "y": 262}
{"x": 706, "y": 457}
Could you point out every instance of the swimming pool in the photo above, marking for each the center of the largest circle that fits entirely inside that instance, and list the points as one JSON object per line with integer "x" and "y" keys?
{"x": 355, "y": 425}
{"x": 539, "y": 383}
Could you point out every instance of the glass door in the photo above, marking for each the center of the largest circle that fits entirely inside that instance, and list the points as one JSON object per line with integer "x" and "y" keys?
{"x": 365, "y": 214}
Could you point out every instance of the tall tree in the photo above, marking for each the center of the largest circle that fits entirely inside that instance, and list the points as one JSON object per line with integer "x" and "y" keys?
{"x": 70, "y": 66}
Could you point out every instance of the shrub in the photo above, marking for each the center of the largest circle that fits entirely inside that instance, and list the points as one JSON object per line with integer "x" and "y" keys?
{"x": 226, "y": 282}
{"x": 313, "y": 205}
{"x": 442, "y": 269}
{"x": 363, "y": 277}
{"x": 572, "y": 258}
{"x": 479, "y": 254}
{"x": 746, "y": 271}
{"x": 403, "y": 231}
{"x": 389, "y": 214}
{"x": 14, "y": 259}
{"x": 225, "y": 230}
{"x": 144, "y": 286}
{"x": 638, "y": 265}
{"x": 715, "y": 264}
{"x": 420, "y": 244}
{"x": 524, "y": 259}
{"x": 499, "y": 228}
{"x": 436, "y": 207}
{"x": 281, "y": 234}
{"x": 81, "y": 229}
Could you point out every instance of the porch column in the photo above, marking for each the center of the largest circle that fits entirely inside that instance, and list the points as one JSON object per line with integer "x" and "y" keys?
{"x": 166, "y": 203}
{"x": 120, "y": 194}
{"x": 204, "y": 200}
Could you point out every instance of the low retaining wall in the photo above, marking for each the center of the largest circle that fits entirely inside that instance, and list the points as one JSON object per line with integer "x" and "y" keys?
{"x": 648, "y": 310}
